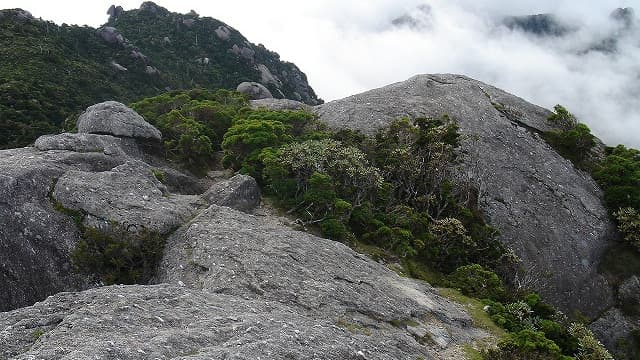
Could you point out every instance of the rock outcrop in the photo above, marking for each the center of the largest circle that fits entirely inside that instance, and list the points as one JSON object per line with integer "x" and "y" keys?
{"x": 254, "y": 90}
{"x": 129, "y": 195}
{"x": 223, "y": 251}
{"x": 95, "y": 174}
{"x": 550, "y": 213}
{"x": 241, "y": 192}
{"x": 114, "y": 118}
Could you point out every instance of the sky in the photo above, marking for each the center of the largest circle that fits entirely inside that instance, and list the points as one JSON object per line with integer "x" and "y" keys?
{"x": 347, "y": 47}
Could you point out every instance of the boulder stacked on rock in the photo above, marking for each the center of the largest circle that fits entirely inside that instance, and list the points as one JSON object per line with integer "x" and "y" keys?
{"x": 114, "y": 118}
{"x": 254, "y": 90}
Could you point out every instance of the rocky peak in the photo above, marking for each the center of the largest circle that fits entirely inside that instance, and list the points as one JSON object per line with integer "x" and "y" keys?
{"x": 523, "y": 184}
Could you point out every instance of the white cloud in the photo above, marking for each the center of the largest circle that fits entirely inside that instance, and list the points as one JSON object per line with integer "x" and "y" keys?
{"x": 347, "y": 47}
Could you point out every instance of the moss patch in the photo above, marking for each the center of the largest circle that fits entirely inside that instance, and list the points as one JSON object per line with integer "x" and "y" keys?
{"x": 475, "y": 308}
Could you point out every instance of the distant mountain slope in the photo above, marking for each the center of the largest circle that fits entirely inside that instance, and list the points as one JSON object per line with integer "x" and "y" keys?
{"x": 48, "y": 72}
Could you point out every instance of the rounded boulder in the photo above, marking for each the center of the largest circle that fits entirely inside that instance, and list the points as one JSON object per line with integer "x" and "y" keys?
{"x": 256, "y": 91}
{"x": 114, "y": 118}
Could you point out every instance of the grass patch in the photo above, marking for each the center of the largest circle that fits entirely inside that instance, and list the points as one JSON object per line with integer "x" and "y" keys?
{"x": 36, "y": 334}
{"x": 421, "y": 271}
{"x": 475, "y": 308}
{"x": 471, "y": 354}
{"x": 159, "y": 174}
{"x": 354, "y": 328}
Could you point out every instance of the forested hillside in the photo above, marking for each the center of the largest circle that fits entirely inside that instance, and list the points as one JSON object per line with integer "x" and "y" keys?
{"x": 50, "y": 72}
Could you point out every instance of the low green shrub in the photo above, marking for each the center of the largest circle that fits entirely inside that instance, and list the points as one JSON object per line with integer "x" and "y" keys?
{"x": 119, "y": 257}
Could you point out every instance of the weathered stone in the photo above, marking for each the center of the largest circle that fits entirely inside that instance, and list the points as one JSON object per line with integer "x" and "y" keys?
{"x": 279, "y": 104}
{"x": 255, "y": 90}
{"x": 129, "y": 195}
{"x": 114, "y": 12}
{"x": 223, "y": 33}
{"x": 78, "y": 142}
{"x": 36, "y": 239}
{"x": 150, "y": 70}
{"x": 111, "y": 35}
{"x": 266, "y": 77}
{"x": 223, "y": 251}
{"x": 241, "y": 192}
{"x": 629, "y": 293}
{"x": 117, "y": 66}
{"x": 550, "y": 213}
{"x": 615, "y": 329}
{"x": 170, "y": 322}
{"x": 189, "y": 22}
{"x": 116, "y": 119}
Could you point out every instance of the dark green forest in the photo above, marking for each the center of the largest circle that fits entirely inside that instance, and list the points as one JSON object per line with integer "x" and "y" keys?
{"x": 49, "y": 72}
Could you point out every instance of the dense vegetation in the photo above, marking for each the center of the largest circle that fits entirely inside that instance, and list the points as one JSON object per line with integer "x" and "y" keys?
{"x": 51, "y": 72}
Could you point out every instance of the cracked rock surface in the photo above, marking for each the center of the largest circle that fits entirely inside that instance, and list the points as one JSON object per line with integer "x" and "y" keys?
{"x": 550, "y": 213}
{"x": 228, "y": 252}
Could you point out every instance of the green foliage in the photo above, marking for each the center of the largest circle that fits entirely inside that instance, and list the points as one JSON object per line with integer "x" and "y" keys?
{"x": 192, "y": 123}
{"x": 51, "y": 72}
{"x": 562, "y": 118}
{"x": 629, "y": 225}
{"x": 120, "y": 257}
{"x": 474, "y": 280}
{"x": 525, "y": 345}
{"x": 589, "y": 347}
{"x": 159, "y": 174}
{"x": 619, "y": 176}
{"x": 36, "y": 334}
{"x": 573, "y": 140}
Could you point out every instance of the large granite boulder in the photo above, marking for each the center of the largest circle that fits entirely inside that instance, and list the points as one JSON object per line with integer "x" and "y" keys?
{"x": 173, "y": 322}
{"x": 241, "y": 192}
{"x": 36, "y": 239}
{"x": 549, "y": 212}
{"x": 114, "y": 118}
{"x": 224, "y": 251}
{"x": 254, "y": 90}
{"x": 96, "y": 174}
{"x": 129, "y": 195}
{"x": 280, "y": 104}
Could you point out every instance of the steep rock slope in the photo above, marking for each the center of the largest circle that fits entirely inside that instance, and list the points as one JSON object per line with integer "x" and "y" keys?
{"x": 550, "y": 213}
{"x": 50, "y": 72}
{"x": 244, "y": 287}
{"x": 103, "y": 177}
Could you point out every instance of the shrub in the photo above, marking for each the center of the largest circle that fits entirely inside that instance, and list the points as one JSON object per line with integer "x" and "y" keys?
{"x": 629, "y": 226}
{"x": 474, "y": 280}
{"x": 524, "y": 345}
{"x": 120, "y": 257}
{"x": 619, "y": 176}
{"x": 589, "y": 347}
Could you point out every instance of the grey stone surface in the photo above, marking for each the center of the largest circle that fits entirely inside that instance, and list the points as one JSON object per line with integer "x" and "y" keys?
{"x": 114, "y": 118}
{"x": 241, "y": 192}
{"x": 35, "y": 239}
{"x": 254, "y": 90}
{"x": 129, "y": 195}
{"x": 279, "y": 104}
{"x": 550, "y": 213}
{"x": 223, "y": 32}
{"x": 83, "y": 143}
{"x": 629, "y": 292}
{"x": 111, "y": 35}
{"x": 172, "y": 322}
{"x": 224, "y": 251}
{"x": 614, "y": 329}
